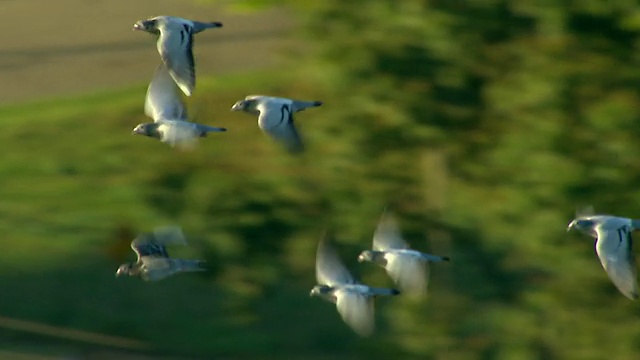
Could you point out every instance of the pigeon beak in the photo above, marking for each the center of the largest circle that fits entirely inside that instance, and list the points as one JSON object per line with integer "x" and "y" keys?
{"x": 571, "y": 225}
{"x": 138, "y": 26}
{"x": 237, "y": 106}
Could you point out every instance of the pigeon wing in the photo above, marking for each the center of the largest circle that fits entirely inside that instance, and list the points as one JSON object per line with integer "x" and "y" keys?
{"x": 169, "y": 235}
{"x": 175, "y": 47}
{"x": 163, "y": 101}
{"x": 329, "y": 269}
{"x": 276, "y": 119}
{"x": 585, "y": 210}
{"x": 409, "y": 273}
{"x": 180, "y": 134}
{"x": 357, "y": 311}
{"x": 387, "y": 235}
{"x": 614, "y": 248}
{"x": 146, "y": 246}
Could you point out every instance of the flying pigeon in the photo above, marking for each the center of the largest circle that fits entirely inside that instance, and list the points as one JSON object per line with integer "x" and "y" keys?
{"x": 408, "y": 268}
{"x": 164, "y": 106}
{"x": 275, "y": 117}
{"x": 153, "y": 262}
{"x": 175, "y": 44}
{"x": 614, "y": 248}
{"x": 336, "y": 284}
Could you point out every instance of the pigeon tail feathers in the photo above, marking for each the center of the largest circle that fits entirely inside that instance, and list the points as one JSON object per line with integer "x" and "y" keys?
{"x": 384, "y": 291}
{"x": 199, "y": 26}
{"x": 190, "y": 265}
{"x": 301, "y": 105}
{"x": 206, "y": 129}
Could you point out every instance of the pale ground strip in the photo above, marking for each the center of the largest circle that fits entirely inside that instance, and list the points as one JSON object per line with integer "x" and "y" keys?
{"x": 51, "y": 49}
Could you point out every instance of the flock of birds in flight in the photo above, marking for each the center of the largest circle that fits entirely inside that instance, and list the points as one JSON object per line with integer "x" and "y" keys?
{"x": 407, "y": 268}
{"x": 163, "y": 104}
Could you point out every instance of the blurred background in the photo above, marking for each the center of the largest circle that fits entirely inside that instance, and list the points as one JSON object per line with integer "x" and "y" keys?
{"x": 483, "y": 124}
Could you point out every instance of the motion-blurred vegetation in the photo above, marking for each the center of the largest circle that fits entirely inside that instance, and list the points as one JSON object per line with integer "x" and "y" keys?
{"x": 484, "y": 124}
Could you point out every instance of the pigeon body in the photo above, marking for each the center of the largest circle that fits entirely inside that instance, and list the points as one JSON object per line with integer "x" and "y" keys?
{"x": 353, "y": 300}
{"x": 164, "y": 106}
{"x": 275, "y": 117}
{"x": 408, "y": 268}
{"x": 154, "y": 262}
{"x": 614, "y": 247}
{"x": 175, "y": 45}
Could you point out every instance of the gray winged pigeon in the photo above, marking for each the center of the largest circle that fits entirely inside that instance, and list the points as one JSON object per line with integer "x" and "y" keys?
{"x": 353, "y": 300}
{"x": 408, "y": 268}
{"x": 614, "y": 248}
{"x": 275, "y": 117}
{"x": 170, "y": 123}
{"x": 154, "y": 262}
{"x": 175, "y": 45}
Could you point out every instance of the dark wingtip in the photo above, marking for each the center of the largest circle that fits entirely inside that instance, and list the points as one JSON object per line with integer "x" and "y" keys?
{"x": 317, "y": 103}
{"x": 216, "y": 24}
{"x": 395, "y": 292}
{"x": 446, "y": 258}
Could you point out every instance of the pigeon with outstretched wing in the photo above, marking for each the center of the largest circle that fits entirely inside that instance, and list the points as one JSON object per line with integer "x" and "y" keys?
{"x": 275, "y": 117}
{"x": 175, "y": 45}
{"x": 154, "y": 262}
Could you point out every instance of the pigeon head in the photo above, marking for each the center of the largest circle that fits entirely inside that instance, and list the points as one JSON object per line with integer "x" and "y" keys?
{"x": 321, "y": 290}
{"x": 366, "y": 255}
{"x": 124, "y": 269}
{"x": 583, "y": 224}
{"x": 149, "y": 25}
{"x": 376, "y": 257}
{"x": 146, "y": 129}
{"x": 240, "y": 105}
{"x": 245, "y": 105}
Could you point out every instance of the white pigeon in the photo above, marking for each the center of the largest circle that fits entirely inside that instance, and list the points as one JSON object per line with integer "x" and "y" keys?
{"x": 275, "y": 117}
{"x": 408, "y": 268}
{"x": 153, "y": 261}
{"x": 175, "y": 45}
{"x": 353, "y": 300}
{"x": 614, "y": 248}
{"x": 164, "y": 105}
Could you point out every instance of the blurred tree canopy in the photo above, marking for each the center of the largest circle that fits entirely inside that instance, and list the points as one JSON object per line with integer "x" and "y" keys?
{"x": 485, "y": 124}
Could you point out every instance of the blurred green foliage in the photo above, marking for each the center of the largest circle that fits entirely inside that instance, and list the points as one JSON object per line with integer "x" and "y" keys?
{"x": 483, "y": 124}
